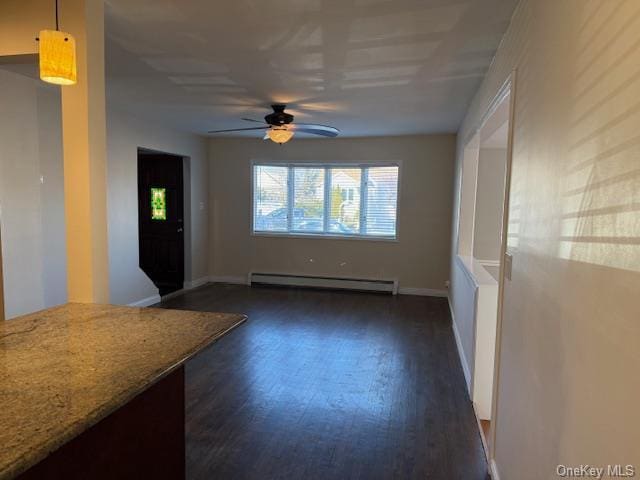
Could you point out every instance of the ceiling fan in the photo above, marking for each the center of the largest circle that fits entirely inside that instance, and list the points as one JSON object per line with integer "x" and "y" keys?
{"x": 280, "y": 128}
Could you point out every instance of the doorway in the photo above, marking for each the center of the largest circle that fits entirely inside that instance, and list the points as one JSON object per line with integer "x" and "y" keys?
{"x": 161, "y": 219}
{"x": 481, "y": 264}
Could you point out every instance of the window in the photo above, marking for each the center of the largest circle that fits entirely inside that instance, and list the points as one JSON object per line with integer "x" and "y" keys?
{"x": 356, "y": 201}
{"x": 308, "y": 200}
{"x": 158, "y": 204}
{"x": 270, "y": 199}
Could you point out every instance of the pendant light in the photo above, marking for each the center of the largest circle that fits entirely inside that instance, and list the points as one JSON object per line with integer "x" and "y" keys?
{"x": 57, "y": 56}
{"x": 280, "y": 135}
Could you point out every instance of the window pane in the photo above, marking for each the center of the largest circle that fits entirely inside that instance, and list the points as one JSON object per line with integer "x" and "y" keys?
{"x": 270, "y": 198}
{"x": 382, "y": 200}
{"x": 158, "y": 204}
{"x": 308, "y": 203}
{"x": 345, "y": 201}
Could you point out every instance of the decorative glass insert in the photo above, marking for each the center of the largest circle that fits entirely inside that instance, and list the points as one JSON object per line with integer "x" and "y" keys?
{"x": 158, "y": 203}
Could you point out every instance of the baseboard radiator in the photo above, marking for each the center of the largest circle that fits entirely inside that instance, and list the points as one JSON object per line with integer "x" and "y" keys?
{"x": 359, "y": 284}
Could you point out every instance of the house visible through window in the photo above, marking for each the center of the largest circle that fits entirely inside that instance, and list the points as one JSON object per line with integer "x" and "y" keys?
{"x": 358, "y": 201}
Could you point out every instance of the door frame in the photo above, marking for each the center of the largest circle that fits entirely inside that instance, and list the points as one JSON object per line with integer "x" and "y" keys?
{"x": 482, "y": 364}
{"x": 508, "y": 87}
{"x": 186, "y": 214}
{"x": 471, "y": 150}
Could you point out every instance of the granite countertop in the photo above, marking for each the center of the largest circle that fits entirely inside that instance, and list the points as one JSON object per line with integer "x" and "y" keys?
{"x": 64, "y": 369}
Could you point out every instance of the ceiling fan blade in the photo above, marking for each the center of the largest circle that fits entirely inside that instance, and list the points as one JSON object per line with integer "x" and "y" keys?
{"x": 252, "y": 120}
{"x": 323, "y": 130}
{"x": 240, "y": 129}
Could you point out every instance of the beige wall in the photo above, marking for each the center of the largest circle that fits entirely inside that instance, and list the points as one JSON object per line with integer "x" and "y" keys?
{"x": 419, "y": 259}
{"x": 568, "y": 376}
{"x": 20, "y": 22}
{"x": 31, "y": 195}
{"x": 84, "y": 146}
{"x": 129, "y": 284}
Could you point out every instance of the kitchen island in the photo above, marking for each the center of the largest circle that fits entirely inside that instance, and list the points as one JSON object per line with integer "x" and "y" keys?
{"x": 97, "y": 391}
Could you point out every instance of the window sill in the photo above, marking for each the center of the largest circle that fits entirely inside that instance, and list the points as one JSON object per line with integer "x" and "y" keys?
{"x": 325, "y": 237}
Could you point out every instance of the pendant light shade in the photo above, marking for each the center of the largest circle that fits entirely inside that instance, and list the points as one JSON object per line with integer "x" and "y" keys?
{"x": 57, "y": 57}
{"x": 280, "y": 135}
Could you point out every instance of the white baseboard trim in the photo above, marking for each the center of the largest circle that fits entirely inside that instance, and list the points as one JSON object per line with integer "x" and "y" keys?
{"x": 188, "y": 285}
{"x": 423, "y": 292}
{"x": 489, "y": 263}
{"x": 494, "y": 470}
{"x": 174, "y": 294}
{"x": 463, "y": 358}
{"x": 145, "y": 302}
{"x": 198, "y": 282}
{"x": 316, "y": 281}
{"x": 229, "y": 279}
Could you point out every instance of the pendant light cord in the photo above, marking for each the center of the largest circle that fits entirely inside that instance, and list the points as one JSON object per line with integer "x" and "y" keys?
{"x": 57, "y": 24}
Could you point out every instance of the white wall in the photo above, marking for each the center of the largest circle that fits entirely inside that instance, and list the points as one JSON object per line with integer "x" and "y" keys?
{"x": 125, "y": 134}
{"x": 569, "y": 357}
{"x": 463, "y": 298}
{"x": 32, "y": 211}
{"x": 492, "y": 163}
{"x": 32, "y": 218}
{"x": 420, "y": 257}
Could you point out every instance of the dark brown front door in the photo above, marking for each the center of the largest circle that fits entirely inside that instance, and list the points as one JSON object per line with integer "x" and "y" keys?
{"x": 160, "y": 219}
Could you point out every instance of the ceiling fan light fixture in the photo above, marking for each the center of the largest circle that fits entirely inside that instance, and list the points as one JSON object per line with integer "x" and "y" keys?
{"x": 279, "y": 127}
{"x": 280, "y": 135}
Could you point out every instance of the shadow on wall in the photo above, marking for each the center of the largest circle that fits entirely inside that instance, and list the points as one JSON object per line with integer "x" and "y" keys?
{"x": 569, "y": 338}
{"x": 319, "y": 49}
{"x": 600, "y": 221}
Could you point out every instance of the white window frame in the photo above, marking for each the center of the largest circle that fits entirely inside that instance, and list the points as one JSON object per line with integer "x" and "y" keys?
{"x": 326, "y": 166}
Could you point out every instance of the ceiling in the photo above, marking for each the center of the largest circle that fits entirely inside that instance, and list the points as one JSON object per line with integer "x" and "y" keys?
{"x": 367, "y": 67}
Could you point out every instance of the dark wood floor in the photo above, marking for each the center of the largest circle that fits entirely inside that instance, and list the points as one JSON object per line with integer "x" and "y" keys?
{"x": 328, "y": 385}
